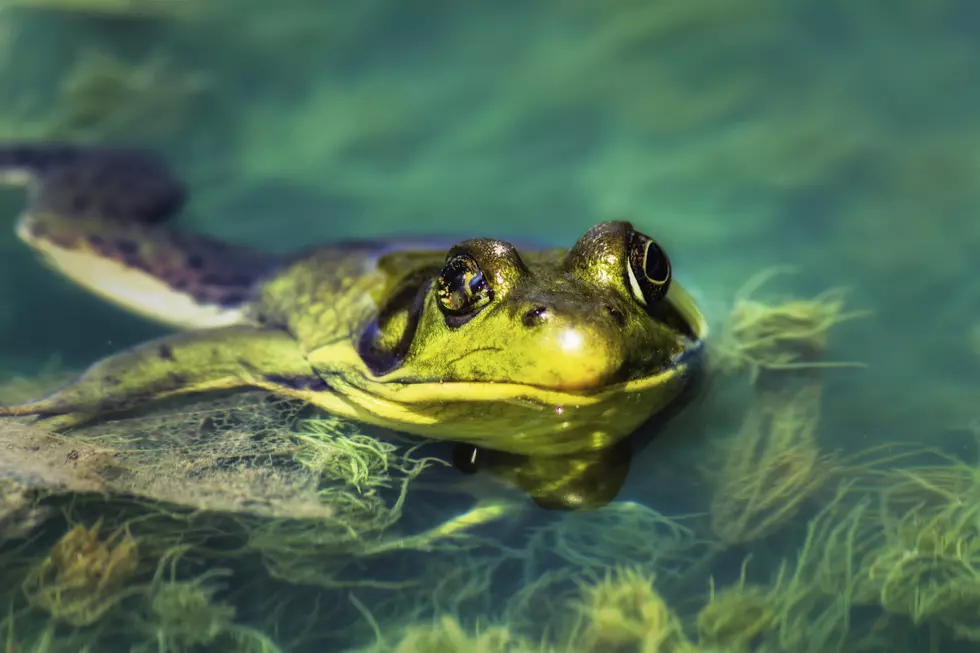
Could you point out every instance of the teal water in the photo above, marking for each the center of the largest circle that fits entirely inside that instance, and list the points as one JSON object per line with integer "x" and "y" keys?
{"x": 838, "y": 138}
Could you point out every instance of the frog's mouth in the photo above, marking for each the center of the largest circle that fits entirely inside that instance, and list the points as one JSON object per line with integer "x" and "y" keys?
{"x": 399, "y": 388}
{"x": 428, "y": 393}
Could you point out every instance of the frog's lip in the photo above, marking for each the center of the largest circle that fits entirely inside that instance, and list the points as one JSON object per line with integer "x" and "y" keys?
{"x": 431, "y": 392}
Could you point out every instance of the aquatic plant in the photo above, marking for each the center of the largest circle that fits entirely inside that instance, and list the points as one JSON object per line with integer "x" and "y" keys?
{"x": 773, "y": 464}
{"x": 181, "y": 615}
{"x": 84, "y": 576}
{"x": 903, "y": 538}
{"x": 737, "y": 616}
{"x": 623, "y": 532}
{"x": 623, "y": 612}
{"x": 792, "y": 335}
{"x": 928, "y": 565}
{"x": 446, "y": 635}
{"x": 19, "y": 636}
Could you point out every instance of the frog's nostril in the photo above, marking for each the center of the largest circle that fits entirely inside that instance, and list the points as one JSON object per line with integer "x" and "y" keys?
{"x": 616, "y": 314}
{"x": 535, "y": 316}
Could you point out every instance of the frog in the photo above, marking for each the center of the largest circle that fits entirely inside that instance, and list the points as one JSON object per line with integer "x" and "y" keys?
{"x": 525, "y": 351}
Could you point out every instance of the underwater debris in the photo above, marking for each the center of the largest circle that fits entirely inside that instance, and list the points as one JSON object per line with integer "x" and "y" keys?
{"x": 772, "y": 465}
{"x": 84, "y": 576}
{"x": 789, "y": 336}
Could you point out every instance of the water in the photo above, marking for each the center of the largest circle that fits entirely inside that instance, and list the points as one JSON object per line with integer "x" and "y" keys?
{"x": 834, "y": 138}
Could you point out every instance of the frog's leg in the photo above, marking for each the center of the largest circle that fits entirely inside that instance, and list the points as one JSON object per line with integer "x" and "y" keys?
{"x": 98, "y": 216}
{"x": 183, "y": 363}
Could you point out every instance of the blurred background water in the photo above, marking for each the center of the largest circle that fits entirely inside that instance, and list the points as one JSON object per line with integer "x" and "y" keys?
{"x": 839, "y": 137}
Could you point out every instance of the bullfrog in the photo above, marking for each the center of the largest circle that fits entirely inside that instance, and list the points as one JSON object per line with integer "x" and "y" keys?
{"x": 526, "y": 351}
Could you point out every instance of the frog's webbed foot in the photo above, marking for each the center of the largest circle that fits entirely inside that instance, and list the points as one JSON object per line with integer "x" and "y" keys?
{"x": 193, "y": 362}
{"x": 52, "y": 423}
{"x": 99, "y": 217}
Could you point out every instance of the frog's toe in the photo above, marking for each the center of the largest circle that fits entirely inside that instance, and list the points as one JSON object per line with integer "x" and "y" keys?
{"x": 60, "y": 423}
{"x": 44, "y": 417}
{"x": 16, "y": 411}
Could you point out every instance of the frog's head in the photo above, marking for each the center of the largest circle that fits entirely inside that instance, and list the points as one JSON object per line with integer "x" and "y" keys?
{"x": 560, "y": 329}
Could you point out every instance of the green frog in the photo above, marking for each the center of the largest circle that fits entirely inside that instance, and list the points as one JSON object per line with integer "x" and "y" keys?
{"x": 523, "y": 351}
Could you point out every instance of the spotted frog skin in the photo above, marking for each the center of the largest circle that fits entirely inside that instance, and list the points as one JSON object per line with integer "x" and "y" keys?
{"x": 532, "y": 352}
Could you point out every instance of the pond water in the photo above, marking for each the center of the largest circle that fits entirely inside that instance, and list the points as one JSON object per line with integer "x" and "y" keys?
{"x": 810, "y": 166}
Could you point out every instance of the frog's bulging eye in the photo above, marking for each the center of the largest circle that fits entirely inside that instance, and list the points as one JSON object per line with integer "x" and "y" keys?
{"x": 463, "y": 288}
{"x": 648, "y": 269}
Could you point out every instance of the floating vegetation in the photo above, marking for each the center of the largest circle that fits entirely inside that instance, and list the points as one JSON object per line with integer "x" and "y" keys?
{"x": 738, "y": 615}
{"x": 772, "y": 465}
{"x": 760, "y": 337}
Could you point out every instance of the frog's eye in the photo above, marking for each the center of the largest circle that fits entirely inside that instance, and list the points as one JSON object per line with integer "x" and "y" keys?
{"x": 462, "y": 287}
{"x": 648, "y": 269}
